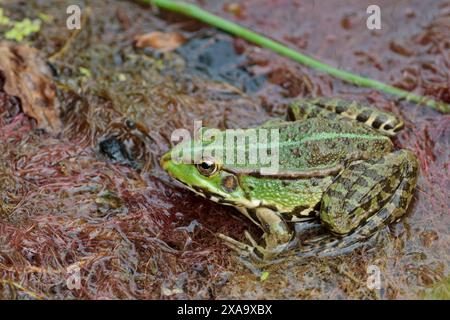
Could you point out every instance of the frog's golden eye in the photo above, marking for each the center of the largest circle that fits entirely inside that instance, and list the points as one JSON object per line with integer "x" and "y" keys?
{"x": 207, "y": 168}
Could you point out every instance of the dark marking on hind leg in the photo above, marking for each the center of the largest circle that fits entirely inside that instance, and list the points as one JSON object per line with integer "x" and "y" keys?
{"x": 390, "y": 212}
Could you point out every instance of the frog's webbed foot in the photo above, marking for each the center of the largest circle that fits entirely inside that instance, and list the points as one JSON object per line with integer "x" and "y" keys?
{"x": 253, "y": 250}
{"x": 277, "y": 237}
{"x": 241, "y": 248}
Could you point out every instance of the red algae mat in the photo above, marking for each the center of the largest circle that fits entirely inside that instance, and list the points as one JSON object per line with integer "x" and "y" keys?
{"x": 81, "y": 220}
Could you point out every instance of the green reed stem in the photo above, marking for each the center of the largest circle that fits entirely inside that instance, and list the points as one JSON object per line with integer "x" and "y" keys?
{"x": 237, "y": 30}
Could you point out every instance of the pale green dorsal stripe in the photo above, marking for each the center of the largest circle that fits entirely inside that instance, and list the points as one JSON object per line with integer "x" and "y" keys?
{"x": 314, "y": 137}
{"x": 335, "y": 135}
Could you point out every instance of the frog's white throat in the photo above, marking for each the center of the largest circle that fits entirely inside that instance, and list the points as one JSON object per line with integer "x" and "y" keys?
{"x": 242, "y": 203}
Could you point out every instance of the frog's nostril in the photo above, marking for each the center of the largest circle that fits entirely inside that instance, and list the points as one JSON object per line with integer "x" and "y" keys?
{"x": 165, "y": 160}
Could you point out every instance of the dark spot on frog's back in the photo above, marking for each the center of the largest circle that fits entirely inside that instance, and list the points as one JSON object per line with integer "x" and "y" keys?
{"x": 363, "y": 116}
{"x": 336, "y": 126}
{"x": 284, "y": 183}
{"x": 362, "y": 146}
{"x": 362, "y": 182}
{"x": 130, "y": 124}
{"x": 295, "y": 152}
{"x": 229, "y": 183}
{"x": 399, "y": 128}
{"x": 331, "y": 144}
{"x": 373, "y": 174}
{"x": 340, "y": 108}
{"x": 379, "y": 120}
{"x": 366, "y": 205}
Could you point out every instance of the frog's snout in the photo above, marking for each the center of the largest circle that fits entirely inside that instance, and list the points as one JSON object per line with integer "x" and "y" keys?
{"x": 165, "y": 160}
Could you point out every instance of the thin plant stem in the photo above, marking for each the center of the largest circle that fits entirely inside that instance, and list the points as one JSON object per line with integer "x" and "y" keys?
{"x": 239, "y": 31}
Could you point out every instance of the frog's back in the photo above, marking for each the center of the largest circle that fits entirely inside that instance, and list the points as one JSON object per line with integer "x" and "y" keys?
{"x": 319, "y": 144}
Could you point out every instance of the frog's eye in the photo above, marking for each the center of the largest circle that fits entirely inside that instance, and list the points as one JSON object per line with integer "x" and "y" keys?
{"x": 207, "y": 168}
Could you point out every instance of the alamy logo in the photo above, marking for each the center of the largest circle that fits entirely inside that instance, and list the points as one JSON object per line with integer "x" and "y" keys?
{"x": 374, "y": 20}
{"x": 73, "y": 280}
{"x": 232, "y": 146}
{"x": 373, "y": 277}
{"x": 74, "y": 19}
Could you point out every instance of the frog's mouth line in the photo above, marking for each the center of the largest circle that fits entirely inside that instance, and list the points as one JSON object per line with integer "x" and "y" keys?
{"x": 213, "y": 197}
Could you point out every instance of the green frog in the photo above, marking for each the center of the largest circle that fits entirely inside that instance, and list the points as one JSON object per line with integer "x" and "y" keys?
{"x": 336, "y": 164}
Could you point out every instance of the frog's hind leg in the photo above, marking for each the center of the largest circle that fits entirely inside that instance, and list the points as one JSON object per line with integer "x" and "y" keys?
{"x": 369, "y": 195}
{"x": 306, "y": 109}
{"x": 385, "y": 122}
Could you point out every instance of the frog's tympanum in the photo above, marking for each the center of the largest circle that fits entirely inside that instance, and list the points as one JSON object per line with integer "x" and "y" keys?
{"x": 336, "y": 163}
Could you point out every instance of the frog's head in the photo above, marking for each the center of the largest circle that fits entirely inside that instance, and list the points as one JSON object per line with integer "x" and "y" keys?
{"x": 216, "y": 164}
{"x": 207, "y": 178}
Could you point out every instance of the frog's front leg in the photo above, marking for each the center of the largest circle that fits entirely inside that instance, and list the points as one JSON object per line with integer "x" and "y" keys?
{"x": 277, "y": 236}
{"x": 277, "y": 233}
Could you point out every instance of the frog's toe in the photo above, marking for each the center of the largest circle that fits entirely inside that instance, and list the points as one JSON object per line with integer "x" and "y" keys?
{"x": 240, "y": 247}
{"x": 266, "y": 254}
{"x": 320, "y": 238}
{"x": 251, "y": 239}
{"x": 253, "y": 250}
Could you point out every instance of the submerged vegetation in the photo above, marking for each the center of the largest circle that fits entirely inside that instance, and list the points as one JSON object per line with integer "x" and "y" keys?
{"x": 18, "y": 30}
